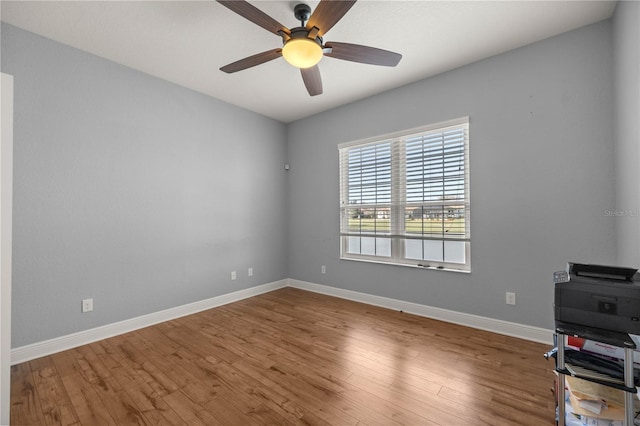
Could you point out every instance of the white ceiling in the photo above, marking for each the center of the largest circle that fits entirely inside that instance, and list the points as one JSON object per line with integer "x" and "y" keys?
{"x": 186, "y": 42}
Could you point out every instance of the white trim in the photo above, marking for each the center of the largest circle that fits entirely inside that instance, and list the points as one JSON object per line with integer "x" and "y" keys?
{"x": 6, "y": 215}
{"x": 443, "y": 125}
{"x": 48, "y": 347}
{"x": 535, "y": 334}
{"x": 409, "y": 265}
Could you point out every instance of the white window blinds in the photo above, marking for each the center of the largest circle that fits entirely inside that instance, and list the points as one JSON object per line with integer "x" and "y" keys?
{"x": 405, "y": 197}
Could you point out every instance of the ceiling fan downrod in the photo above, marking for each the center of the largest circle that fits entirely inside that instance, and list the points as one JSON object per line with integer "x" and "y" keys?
{"x": 302, "y": 12}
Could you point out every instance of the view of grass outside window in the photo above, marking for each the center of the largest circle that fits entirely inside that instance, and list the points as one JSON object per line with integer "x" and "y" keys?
{"x": 405, "y": 198}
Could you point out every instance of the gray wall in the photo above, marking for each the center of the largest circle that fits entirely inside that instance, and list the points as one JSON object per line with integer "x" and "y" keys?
{"x": 145, "y": 195}
{"x": 626, "y": 37}
{"x": 542, "y": 177}
{"x": 131, "y": 190}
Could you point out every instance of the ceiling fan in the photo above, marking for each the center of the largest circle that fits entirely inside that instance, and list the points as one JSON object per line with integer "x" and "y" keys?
{"x": 303, "y": 46}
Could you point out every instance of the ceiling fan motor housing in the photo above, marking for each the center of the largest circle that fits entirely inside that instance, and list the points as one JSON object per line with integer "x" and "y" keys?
{"x": 302, "y": 32}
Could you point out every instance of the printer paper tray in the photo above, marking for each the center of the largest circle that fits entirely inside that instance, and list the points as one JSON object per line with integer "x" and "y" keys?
{"x": 614, "y": 338}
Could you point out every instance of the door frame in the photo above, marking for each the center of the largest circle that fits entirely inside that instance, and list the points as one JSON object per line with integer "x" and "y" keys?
{"x": 6, "y": 212}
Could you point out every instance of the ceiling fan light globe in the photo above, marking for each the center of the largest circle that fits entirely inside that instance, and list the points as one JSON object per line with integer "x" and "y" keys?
{"x": 302, "y": 52}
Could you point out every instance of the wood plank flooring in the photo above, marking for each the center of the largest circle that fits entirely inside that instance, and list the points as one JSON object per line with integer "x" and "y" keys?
{"x": 291, "y": 357}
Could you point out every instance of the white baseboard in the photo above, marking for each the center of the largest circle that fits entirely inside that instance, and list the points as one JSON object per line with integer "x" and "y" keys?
{"x": 48, "y": 347}
{"x": 535, "y": 334}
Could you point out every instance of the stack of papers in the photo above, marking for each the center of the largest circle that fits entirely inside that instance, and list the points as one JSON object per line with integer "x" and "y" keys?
{"x": 592, "y": 401}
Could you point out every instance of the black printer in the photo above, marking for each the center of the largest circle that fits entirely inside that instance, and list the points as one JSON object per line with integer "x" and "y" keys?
{"x": 597, "y": 296}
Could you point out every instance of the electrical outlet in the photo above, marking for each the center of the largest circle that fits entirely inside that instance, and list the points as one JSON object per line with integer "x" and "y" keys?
{"x": 323, "y": 269}
{"x": 511, "y": 298}
{"x": 87, "y": 305}
{"x": 234, "y": 275}
{"x": 250, "y": 272}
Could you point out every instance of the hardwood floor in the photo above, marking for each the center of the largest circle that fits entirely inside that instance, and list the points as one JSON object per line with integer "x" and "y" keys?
{"x": 291, "y": 357}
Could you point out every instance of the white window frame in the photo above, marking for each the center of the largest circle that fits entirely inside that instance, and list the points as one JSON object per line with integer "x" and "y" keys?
{"x": 397, "y": 205}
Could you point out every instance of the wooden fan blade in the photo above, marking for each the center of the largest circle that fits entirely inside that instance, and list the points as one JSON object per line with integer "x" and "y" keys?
{"x": 363, "y": 54}
{"x": 312, "y": 80}
{"x": 328, "y": 13}
{"x": 255, "y": 15}
{"x": 252, "y": 61}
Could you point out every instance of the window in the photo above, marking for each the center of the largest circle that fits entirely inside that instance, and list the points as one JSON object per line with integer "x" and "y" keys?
{"x": 404, "y": 198}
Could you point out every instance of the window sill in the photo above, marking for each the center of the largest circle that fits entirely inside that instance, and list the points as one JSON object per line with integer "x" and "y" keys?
{"x": 406, "y": 265}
